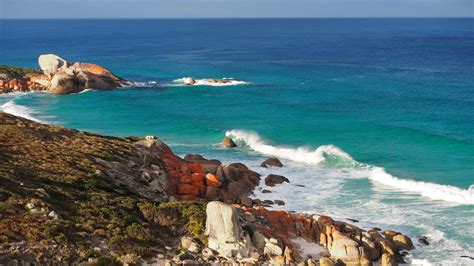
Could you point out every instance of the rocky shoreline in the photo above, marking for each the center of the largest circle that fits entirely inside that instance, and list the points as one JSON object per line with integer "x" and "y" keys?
{"x": 72, "y": 197}
{"x": 56, "y": 75}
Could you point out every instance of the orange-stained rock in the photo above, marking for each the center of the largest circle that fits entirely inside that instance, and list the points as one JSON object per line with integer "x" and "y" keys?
{"x": 212, "y": 180}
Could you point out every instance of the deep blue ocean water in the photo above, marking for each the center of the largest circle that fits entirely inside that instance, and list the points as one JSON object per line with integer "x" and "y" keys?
{"x": 374, "y": 116}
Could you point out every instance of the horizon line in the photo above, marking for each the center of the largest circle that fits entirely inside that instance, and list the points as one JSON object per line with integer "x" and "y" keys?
{"x": 190, "y": 18}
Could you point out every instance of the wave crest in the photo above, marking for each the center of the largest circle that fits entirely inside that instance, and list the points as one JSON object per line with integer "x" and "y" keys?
{"x": 19, "y": 110}
{"x": 330, "y": 155}
{"x": 207, "y": 82}
{"x": 326, "y": 153}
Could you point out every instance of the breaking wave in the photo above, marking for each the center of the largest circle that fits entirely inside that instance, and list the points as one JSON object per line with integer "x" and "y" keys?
{"x": 209, "y": 82}
{"x": 332, "y": 156}
{"x": 19, "y": 110}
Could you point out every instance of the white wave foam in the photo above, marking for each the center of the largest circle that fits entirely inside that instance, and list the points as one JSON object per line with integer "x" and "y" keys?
{"x": 331, "y": 155}
{"x": 19, "y": 110}
{"x": 140, "y": 84}
{"x": 300, "y": 154}
{"x": 430, "y": 190}
{"x": 207, "y": 82}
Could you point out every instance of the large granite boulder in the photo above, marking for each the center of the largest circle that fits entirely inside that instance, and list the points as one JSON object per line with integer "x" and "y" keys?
{"x": 65, "y": 83}
{"x": 50, "y": 63}
{"x": 224, "y": 231}
{"x": 348, "y": 252}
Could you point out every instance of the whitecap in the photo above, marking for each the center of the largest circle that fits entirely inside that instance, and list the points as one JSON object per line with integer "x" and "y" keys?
{"x": 19, "y": 110}
{"x": 332, "y": 156}
{"x": 207, "y": 82}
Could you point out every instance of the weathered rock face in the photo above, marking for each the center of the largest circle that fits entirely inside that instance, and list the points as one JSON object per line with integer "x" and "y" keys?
{"x": 224, "y": 231}
{"x": 65, "y": 83}
{"x": 59, "y": 77}
{"x": 50, "y": 63}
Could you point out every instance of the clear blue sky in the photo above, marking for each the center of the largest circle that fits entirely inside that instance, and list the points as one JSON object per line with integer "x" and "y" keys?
{"x": 233, "y": 8}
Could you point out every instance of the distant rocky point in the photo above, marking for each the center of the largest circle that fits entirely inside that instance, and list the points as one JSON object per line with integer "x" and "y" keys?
{"x": 58, "y": 76}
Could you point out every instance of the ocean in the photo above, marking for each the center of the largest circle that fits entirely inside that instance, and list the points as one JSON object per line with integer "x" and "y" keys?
{"x": 375, "y": 117}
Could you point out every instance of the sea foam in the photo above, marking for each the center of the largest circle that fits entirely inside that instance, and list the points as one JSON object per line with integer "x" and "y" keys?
{"x": 19, "y": 110}
{"x": 205, "y": 82}
{"x": 332, "y": 156}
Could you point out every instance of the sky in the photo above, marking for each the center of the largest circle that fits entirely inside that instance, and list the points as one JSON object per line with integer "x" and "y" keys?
{"x": 233, "y": 8}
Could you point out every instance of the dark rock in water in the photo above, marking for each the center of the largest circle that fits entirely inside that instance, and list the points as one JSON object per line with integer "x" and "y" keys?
{"x": 228, "y": 143}
{"x": 377, "y": 229}
{"x": 271, "y": 162}
{"x": 467, "y": 257}
{"x": 405, "y": 253}
{"x": 257, "y": 201}
{"x": 279, "y": 202}
{"x": 298, "y": 185}
{"x": 266, "y": 191}
{"x": 272, "y": 180}
{"x": 424, "y": 240}
{"x": 269, "y": 202}
{"x": 352, "y": 220}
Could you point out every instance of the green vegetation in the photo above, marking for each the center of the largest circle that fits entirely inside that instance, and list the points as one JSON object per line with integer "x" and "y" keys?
{"x": 16, "y": 72}
{"x": 55, "y": 169}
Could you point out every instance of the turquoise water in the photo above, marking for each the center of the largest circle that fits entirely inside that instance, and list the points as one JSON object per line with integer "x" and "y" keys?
{"x": 394, "y": 98}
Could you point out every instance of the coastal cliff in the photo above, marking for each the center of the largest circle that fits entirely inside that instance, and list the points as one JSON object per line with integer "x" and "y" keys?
{"x": 74, "y": 197}
{"x": 57, "y": 76}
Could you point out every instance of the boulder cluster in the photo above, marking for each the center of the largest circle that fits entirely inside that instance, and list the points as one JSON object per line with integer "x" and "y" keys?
{"x": 254, "y": 236}
{"x": 58, "y": 76}
{"x": 196, "y": 178}
{"x": 75, "y": 197}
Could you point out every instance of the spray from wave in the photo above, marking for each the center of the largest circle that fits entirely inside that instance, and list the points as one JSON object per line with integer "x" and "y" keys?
{"x": 19, "y": 110}
{"x": 211, "y": 82}
{"x": 330, "y": 155}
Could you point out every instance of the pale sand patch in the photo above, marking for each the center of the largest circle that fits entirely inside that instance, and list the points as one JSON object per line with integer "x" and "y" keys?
{"x": 309, "y": 248}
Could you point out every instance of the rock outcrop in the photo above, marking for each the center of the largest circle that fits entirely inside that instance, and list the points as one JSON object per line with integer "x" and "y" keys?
{"x": 71, "y": 197}
{"x": 58, "y": 76}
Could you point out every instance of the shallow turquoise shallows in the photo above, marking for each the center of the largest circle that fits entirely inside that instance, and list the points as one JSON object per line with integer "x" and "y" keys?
{"x": 375, "y": 117}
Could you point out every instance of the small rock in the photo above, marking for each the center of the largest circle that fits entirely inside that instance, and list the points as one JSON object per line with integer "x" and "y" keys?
{"x": 279, "y": 202}
{"x": 228, "y": 143}
{"x": 190, "y": 244}
{"x": 189, "y": 81}
{"x": 467, "y": 257}
{"x": 54, "y": 215}
{"x": 352, "y": 220}
{"x": 150, "y": 137}
{"x": 272, "y": 180}
{"x": 311, "y": 262}
{"x": 30, "y": 206}
{"x": 271, "y": 162}
{"x": 246, "y": 201}
{"x": 424, "y": 240}
{"x": 266, "y": 191}
{"x": 269, "y": 202}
